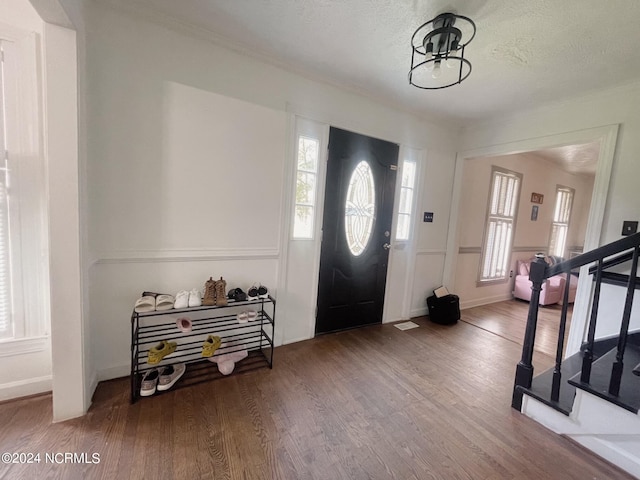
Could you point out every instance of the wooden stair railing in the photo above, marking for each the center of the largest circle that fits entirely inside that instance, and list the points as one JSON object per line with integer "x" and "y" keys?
{"x": 616, "y": 253}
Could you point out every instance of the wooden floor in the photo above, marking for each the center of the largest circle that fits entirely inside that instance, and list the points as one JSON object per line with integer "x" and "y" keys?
{"x": 509, "y": 319}
{"x": 373, "y": 403}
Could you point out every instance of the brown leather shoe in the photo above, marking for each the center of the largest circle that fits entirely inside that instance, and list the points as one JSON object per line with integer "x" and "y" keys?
{"x": 221, "y": 292}
{"x": 209, "y": 298}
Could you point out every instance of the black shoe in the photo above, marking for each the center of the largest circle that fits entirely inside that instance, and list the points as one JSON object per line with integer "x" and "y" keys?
{"x": 253, "y": 292}
{"x": 237, "y": 294}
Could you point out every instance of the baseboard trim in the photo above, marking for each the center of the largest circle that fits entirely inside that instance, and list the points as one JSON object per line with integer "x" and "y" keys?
{"x": 485, "y": 301}
{"x": 607, "y": 450}
{"x": 93, "y": 384}
{"x": 419, "y": 312}
{"x": 24, "y": 388}
{"x": 118, "y": 371}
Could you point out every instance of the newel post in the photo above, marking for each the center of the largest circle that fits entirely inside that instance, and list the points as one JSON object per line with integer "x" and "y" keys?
{"x": 524, "y": 370}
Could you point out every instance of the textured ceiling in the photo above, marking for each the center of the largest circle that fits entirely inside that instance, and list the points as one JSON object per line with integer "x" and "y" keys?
{"x": 525, "y": 52}
{"x": 573, "y": 158}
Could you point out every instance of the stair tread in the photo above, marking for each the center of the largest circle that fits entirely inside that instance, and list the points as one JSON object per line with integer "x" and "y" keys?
{"x": 629, "y": 397}
{"x": 541, "y": 385}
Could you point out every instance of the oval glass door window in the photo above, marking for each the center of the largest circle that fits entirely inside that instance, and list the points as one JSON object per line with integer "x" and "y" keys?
{"x": 360, "y": 208}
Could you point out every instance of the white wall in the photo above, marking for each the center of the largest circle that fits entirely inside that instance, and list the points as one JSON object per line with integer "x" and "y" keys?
{"x": 431, "y": 238}
{"x": 188, "y": 152}
{"x": 65, "y": 264}
{"x": 530, "y": 236}
{"x": 615, "y": 106}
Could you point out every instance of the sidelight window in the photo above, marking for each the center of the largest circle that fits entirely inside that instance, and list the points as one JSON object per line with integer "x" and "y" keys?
{"x": 407, "y": 188}
{"x": 306, "y": 184}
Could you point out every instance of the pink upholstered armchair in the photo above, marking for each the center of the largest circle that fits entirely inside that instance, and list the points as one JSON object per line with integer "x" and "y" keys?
{"x": 552, "y": 288}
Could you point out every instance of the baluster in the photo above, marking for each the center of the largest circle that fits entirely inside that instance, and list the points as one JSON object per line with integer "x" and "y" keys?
{"x": 616, "y": 371}
{"x": 557, "y": 370}
{"x": 587, "y": 356}
{"x": 524, "y": 370}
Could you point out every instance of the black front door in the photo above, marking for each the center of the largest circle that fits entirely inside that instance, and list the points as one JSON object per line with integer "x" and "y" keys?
{"x": 356, "y": 230}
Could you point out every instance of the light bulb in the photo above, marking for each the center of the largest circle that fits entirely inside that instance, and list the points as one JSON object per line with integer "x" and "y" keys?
{"x": 429, "y": 50}
{"x": 451, "y": 62}
{"x": 436, "y": 70}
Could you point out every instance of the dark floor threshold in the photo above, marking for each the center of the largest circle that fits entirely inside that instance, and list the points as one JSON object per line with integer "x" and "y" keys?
{"x": 629, "y": 396}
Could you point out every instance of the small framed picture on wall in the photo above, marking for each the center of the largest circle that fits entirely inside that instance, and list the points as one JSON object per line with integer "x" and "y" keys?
{"x": 537, "y": 198}
{"x": 534, "y": 213}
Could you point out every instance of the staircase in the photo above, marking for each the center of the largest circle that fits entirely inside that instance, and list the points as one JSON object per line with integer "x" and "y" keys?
{"x": 592, "y": 396}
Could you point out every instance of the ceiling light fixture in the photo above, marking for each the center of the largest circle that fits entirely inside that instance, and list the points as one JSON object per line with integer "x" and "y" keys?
{"x": 439, "y": 41}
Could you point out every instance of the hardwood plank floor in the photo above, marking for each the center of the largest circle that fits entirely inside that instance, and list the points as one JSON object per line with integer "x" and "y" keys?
{"x": 372, "y": 403}
{"x": 509, "y": 319}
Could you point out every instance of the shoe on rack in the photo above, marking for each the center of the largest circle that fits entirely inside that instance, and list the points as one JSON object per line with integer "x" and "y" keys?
{"x": 160, "y": 351}
{"x": 144, "y": 304}
{"x": 221, "y": 289}
{"x": 149, "y": 382}
{"x": 237, "y": 295}
{"x": 169, "y": 375}
{"x": 184, "y": 324}
{"x": 195, "y": 299}
{"x": 251, "y": 315}
{"x": 263, "y": 292}
{"x": 211, "y": 344}
{"x": 209, "y": 292}
{"x": 243, "y": 317}
{"x": 182, "y": 299}
{"x": 165, "y": 302}
{"x": 253, "y": 293}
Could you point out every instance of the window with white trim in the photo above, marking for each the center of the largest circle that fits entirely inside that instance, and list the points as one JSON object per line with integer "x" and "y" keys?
{"x": 10, "y": 265}
{"x": 307, "y": 155}
{"x": 24, "y": 319}
{"x": 407, "y": 189}
{"x": 501, "y": 219}
{"x": 561, "y": 217}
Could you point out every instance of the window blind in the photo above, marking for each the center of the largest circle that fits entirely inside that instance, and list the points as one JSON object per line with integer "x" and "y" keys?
{"x": 500, "y": 222}
{"x": 6, "y": 326}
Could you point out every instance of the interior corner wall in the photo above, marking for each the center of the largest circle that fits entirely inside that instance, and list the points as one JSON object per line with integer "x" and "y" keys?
{"x": 530, "y": 236}
{"x": 186, "y": 158}
{"x": 609, "y": 107}
{"x": 437, "y": 176}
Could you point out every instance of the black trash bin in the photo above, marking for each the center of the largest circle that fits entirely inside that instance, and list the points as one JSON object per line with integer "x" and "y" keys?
{"x": 444, "y": 310}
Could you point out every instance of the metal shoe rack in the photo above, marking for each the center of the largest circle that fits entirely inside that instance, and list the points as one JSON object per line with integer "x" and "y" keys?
{"x": 149, "y": 329}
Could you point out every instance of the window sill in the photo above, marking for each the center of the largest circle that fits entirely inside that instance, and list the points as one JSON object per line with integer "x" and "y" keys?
{"x": 21, "y": 346}
{"x": 487, "y": 283}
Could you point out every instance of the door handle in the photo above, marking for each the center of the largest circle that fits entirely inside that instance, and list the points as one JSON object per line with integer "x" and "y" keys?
{"x": 386, "y": 246}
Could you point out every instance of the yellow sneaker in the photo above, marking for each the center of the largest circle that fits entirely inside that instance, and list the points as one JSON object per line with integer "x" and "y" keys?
{"x": 163, "y": 349}
{"x": 210, "y": 345}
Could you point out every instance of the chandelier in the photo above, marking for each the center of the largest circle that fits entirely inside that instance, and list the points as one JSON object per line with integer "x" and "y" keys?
{"x": 437, "y": 52}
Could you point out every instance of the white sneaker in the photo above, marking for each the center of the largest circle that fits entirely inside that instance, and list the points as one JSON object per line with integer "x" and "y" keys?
{"x": 195, "y": 299}
{"x": 182, "y": 299}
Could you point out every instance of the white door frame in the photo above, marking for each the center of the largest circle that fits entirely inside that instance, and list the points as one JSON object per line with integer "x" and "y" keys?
{"x": 607, "y": 136}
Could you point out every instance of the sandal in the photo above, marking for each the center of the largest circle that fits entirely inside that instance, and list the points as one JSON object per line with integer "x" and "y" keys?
{"x": 164, "y": 302}
{"x": 144, "y": 304}
{"x": 211, "y": 344}
{"x": 161, "y": 351}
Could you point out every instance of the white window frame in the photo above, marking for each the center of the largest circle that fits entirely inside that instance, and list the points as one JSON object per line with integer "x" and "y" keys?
{"x": 499, "y": 217}
{"x": 410, "y": 189}
{"x": 302, "y": 133}
{"x": 559, "y": 220}
{"x": 22, "y": 124}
